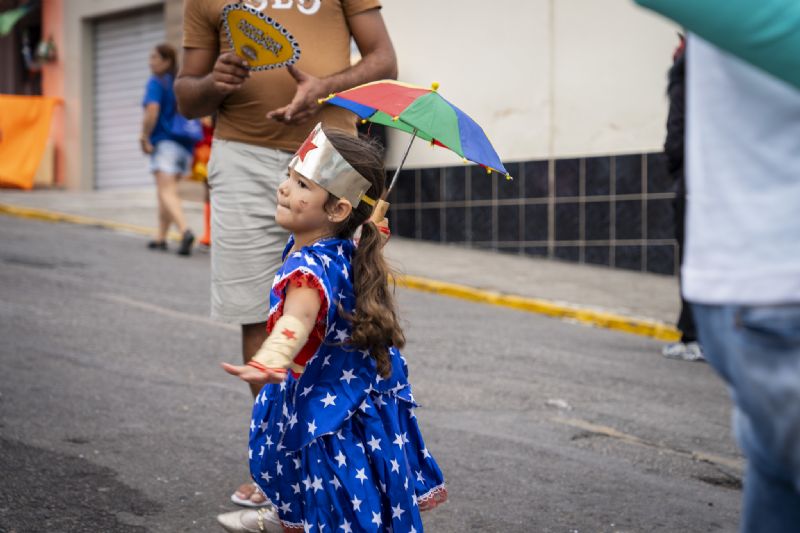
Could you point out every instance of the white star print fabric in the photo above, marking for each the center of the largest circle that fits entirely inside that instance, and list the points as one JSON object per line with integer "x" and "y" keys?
{"x": 339, "y": 448}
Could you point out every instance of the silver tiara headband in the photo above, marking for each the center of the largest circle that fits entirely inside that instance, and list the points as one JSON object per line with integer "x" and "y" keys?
{"x": 319, "y": 161}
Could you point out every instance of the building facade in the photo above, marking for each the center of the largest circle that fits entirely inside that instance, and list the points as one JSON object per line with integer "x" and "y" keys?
{"x": 99, "y": 73}
{"x": 571, "y": 93}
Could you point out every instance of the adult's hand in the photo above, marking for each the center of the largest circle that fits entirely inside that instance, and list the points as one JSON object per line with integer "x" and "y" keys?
{"x": 378, "y": 61}
{"x": 305, "y": 103}
{"x": 229, "y": 73}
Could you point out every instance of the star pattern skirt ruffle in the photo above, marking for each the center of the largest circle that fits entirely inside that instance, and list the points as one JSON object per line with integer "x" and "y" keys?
{"x": 372, "y": 474}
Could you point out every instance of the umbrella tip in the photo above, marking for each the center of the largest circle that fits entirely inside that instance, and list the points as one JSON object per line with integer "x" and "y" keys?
{"x": 434, "y": 85}
{"x": 508, "y": 177}
{"x": 363, "y": 121}
{"x": 395, "y": 119}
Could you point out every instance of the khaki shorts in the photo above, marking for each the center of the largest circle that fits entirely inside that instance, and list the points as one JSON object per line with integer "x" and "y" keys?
{"x": 247, "y": 242}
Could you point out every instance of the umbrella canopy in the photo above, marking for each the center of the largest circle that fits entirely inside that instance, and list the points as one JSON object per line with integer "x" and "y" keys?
{"x": 423, "y": 113}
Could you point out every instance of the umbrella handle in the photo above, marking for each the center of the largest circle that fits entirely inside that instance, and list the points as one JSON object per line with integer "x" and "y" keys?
{"x": 400, "y": 166}
{"x": 379, "y": 211}
{"x": 382, "y": 206}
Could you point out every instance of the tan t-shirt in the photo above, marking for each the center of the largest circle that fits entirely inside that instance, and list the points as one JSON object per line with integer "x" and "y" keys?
{"x": 321, "y": 29}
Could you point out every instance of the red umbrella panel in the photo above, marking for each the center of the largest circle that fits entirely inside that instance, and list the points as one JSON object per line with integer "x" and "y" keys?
{"x": 423, "y": 113}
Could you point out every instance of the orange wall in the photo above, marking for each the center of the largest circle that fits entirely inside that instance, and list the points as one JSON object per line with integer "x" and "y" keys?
{"x": 53, "y": 79}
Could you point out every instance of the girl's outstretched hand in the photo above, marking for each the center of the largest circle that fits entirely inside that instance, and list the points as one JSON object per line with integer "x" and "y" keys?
{"x": 253, "y": 375}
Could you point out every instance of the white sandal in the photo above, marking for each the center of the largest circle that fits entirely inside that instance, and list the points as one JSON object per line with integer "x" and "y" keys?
{"x": 264, "y": 521}
{"x": 247, "y": 502}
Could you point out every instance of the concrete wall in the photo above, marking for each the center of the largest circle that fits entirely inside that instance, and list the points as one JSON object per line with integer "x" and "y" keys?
{"x": 545, "y": 78}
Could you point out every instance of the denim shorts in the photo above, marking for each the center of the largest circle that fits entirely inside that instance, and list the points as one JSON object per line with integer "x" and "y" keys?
{"x": 171, "y": 158}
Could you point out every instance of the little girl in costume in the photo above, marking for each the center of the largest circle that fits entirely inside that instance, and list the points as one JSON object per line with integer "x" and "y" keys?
{"x": 334, "y": 443}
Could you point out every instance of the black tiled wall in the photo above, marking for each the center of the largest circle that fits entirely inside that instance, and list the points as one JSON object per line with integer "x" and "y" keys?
{"x": 615, "y": 210}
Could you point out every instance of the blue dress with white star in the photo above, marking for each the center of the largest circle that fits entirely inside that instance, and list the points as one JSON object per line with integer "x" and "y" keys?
{"x": 338, "y": 446}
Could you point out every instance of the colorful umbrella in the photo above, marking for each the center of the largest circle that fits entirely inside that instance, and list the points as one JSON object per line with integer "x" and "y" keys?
{"x": 422, "y": 113}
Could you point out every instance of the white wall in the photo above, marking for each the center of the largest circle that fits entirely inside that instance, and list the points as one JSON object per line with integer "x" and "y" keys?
{"x": 611, "y": 59}
{"x": 545, "y": 78}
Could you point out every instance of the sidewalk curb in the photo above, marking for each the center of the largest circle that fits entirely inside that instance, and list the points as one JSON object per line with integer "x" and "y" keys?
{"x": 54, "y": 216}
{"x": 584, "y": 315}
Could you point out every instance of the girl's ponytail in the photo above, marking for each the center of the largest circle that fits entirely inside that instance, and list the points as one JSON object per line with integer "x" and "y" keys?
{"x": 375, "y": 324}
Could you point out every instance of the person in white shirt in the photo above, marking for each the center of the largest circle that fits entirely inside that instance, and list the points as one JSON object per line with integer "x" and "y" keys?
{"x": 741, "y": 267}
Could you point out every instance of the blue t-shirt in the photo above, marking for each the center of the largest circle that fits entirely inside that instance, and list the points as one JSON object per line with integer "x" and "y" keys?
{"x": 159, "y": 90}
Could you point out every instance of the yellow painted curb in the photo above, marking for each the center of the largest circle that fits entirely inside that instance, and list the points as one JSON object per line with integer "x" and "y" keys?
{"x": 600, "y": 319}
{"x": 54, "y": 216}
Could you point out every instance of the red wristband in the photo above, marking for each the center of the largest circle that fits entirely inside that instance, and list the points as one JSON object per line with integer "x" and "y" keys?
{"x": 259, "y": 366}
{"x": 264, "y": 369}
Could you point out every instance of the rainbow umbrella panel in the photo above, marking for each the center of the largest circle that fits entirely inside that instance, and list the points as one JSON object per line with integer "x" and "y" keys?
{"x": 423, "y": 113}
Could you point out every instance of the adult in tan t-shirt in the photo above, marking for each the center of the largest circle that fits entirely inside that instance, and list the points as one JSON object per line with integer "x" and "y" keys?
{"x": 323, "y": 29}
{"x": 263, "y": 117}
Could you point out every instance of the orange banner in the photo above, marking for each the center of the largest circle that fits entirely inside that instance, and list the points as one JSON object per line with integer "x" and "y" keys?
{"x": 24, "y": 130}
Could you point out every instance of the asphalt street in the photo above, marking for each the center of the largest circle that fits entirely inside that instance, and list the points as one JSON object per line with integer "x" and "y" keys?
{"x": 116, "y": 417}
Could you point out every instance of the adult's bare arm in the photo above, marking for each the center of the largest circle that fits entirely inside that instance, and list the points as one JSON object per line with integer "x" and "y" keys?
{"x": 378, "y": 61}
{"x": 151, "y": 111}
{"x": 205, "y": 79}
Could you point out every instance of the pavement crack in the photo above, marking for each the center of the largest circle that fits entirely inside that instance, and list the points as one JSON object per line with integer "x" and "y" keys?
{"x": 591, "y": 430}
{"x": 36, "y": 262}
{"x": 586, "y": 435}
{"x": 28, "y": 262}
{"x": 724, "y": 480}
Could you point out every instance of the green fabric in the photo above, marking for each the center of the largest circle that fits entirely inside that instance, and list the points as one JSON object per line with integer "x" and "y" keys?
{"x": 382, "y": 118}
{"x": 435, "y": 119}
{"x": 765, "y": 33}
{"x": 9, "y": 18}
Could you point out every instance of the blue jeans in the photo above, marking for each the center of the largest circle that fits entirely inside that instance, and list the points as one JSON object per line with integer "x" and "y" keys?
{"x": 756, "y": 350}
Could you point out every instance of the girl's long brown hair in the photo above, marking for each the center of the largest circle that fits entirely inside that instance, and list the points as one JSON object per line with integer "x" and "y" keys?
{"x": 375, "y": 323}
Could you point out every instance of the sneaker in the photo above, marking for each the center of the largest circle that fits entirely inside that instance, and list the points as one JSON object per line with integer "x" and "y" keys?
{"x": 157, "y": 245}
{"x": 690, "y": 351}
{"x": 186, "y": 243}
{"x": 695, "y": 351}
